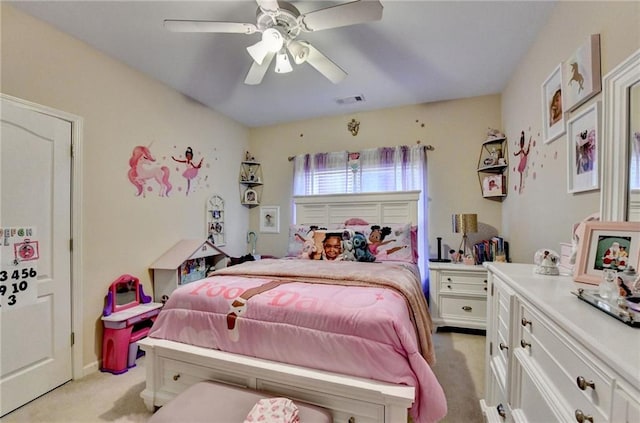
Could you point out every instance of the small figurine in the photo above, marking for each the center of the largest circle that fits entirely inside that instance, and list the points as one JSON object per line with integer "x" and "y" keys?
{"x": 248, "y": 157}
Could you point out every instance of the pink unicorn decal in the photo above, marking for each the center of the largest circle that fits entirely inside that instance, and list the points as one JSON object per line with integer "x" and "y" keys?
{"x": 142, "y": 167}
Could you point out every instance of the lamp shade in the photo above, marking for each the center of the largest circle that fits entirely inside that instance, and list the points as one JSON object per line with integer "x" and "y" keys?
{"x": 465, "y": 223}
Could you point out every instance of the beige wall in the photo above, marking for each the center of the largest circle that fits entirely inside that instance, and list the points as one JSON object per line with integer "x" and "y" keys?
{"x": 122, "y": 108}
{"x": 455, "y": 129}
{"x": 543, "y": 214}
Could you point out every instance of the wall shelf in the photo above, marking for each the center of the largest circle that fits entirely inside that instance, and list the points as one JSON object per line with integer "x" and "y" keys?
{"x": 492, "y": 164}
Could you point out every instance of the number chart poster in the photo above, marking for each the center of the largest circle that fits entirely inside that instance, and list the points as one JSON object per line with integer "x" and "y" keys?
{"x": 18, "y": 267}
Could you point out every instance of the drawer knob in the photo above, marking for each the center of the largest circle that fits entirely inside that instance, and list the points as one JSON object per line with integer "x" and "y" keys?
{"x": 467, "y": 308}
{"x": 581, "y": 417}
{"x": 352, "y": 420}
{"x": 524, "y": 344}
{"x": 449, "y": 286}
{"x": 525, "y": 322}
{"x": 449, "y": 279}
{"x": 503, "y": 346}
{"x": 501, "y": 411}
{"x": 584, "y": 384}
{"x": 176, "y": 376}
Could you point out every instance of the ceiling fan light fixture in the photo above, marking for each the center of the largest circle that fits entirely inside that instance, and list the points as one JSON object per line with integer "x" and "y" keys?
{"x": 282, "y": 63}
{"x": 272, "y": 39}
{"x": 299, "y": 51}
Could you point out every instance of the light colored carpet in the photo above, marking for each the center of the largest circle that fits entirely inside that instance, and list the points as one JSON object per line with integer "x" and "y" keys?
{"x": 103, "y": 397}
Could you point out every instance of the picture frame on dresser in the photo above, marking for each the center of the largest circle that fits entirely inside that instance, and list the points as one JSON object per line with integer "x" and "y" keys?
{"x": 606, "y": 245}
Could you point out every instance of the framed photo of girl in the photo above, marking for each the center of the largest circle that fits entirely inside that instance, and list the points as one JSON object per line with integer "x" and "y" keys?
{"x": 583, "y": 137}
{"x": 270, "y": 219}
{"x": 553, "y": 125}
{"x": 606, "y": 245}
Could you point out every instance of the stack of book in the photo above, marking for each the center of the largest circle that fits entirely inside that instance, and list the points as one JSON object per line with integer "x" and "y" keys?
{"x": 494, "y": 249}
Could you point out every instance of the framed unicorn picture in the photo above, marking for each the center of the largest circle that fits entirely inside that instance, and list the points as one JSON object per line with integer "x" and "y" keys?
{"x": 581, "y": 74}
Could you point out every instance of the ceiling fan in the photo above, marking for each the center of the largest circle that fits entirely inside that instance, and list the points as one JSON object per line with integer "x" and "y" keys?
{"x": 280, "y": 23}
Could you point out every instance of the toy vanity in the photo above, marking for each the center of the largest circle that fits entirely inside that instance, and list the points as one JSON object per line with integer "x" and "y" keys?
{"x": 127, "y": 317}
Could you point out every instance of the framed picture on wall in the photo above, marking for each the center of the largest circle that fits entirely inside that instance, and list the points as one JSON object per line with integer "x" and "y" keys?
{"x": 553, "y": 125}
{"x": 581, "y": 74}
{"x": 606, "y": 245}
{"x": 270, "y": 219}
{"x": 582, "y": 150}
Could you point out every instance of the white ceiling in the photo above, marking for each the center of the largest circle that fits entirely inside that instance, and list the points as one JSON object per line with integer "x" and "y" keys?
{"x": 421, "y": 51}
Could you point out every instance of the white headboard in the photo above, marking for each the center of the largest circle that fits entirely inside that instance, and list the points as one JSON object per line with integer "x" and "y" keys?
{"x": 379, "y": 208}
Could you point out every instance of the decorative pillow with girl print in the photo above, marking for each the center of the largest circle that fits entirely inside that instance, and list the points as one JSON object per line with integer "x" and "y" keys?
{"x": 388, "y": 242}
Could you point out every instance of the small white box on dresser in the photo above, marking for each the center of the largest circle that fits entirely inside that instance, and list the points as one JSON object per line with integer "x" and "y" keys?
{"x": 457, "y": 295}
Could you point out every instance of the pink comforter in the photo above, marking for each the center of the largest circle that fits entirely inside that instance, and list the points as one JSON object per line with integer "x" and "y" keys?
{"x": 366, "y": 330}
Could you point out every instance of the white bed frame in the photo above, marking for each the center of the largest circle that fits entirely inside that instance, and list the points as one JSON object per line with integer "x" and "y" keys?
{"x": 171, "y": 367}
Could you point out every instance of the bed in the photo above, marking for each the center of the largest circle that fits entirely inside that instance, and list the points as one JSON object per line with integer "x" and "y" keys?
{"x": 278, "y": 339}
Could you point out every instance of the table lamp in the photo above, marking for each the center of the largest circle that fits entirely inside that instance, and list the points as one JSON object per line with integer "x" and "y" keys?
{"x": 465, "y": 223}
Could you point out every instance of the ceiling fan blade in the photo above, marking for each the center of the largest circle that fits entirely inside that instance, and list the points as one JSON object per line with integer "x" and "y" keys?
{"x": 176, "y": 25}
{"x": 257, "y": 72}
{"x": 270, "y": 7}
{"x": 356, "y": 12}
{"x": 324, "y": 65}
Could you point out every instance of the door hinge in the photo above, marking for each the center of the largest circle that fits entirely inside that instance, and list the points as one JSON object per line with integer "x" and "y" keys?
{"x": 492, "y": 290}
{"x": 490, "y": 348}
{"x": 73, "y": 338}
{"x": 72, "y": 149}
{"x": 70, "y": 244}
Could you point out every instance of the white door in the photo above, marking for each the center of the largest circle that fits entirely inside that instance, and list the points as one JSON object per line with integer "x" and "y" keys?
{"x": 35, "y": 324}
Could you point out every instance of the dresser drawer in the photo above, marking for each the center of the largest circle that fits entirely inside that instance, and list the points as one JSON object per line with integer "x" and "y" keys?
{"x": 563, "y": 362}
{"x": 463, "y": 282}
{"x": 463, "y": 307}
{"x": 176, "y": 376}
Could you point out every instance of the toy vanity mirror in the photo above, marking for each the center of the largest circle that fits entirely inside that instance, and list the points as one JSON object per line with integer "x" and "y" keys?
{"x": 124, "y": 293}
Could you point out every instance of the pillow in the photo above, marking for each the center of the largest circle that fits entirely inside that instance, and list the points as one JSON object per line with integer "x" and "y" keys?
{"x": 390, "y": 242}
{"x": 298, "y": 234}
{"x": 355, "y": 221}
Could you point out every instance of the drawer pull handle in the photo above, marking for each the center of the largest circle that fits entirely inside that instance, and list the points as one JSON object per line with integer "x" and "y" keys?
{"x": 449, "y": 286}
{"x": 176, "y": 376}
{"x": 449, "y": 279}
{"x": 525, "y": 322}
{"x": 584, "y": 384}
{"x": 467, "y": 308}
{"x": 503, "y": 346}
{"x": 581, "y": 417}
{"x": 501, "y": 411}
{"x": 524, "y": 344}
{"x": 352, "y": 420}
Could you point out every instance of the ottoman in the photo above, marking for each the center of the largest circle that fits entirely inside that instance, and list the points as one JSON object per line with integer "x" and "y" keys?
{"x": 214, "y": 402}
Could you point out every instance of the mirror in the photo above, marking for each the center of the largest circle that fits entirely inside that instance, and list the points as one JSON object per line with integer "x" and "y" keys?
{"x": 125, "y": 292}
{"x": 620, "y": 197}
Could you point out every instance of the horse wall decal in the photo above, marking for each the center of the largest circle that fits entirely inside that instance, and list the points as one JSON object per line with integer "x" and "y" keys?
{"x": 142, "y": 167}
{"x": 576, "y": 76}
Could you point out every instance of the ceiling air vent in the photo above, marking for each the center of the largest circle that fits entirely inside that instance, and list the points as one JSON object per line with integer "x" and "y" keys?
{"x": 350, "y": 100}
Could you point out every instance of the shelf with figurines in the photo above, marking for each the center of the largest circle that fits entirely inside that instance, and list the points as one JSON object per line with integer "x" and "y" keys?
{"x": 492, "y": 164}
{"x": 250, "y": 181}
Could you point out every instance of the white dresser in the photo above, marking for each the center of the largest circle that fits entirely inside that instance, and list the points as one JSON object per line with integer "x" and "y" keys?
{"x": 551, "y": 357}
{"x": 457, "y": 295}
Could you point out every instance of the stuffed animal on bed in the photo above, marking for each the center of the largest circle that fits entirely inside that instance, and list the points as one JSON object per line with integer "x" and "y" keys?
{"x": 361, "y": 248}
{"x": 348, "y": 253}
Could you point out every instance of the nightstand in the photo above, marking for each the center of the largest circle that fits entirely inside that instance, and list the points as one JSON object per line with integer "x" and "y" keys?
{"x": 458, "y": 295}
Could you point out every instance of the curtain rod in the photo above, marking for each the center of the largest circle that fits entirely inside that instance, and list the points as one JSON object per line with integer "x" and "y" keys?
{"x": 429, "y": 147}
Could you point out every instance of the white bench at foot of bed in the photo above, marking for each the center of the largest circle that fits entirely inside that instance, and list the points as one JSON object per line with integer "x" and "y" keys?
{"x": 171, "y": 367}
